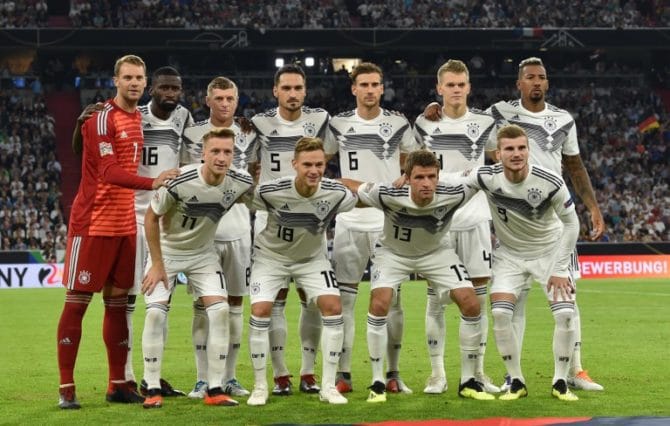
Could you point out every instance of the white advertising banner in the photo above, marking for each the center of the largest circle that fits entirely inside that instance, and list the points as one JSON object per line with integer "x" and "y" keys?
{"x": 31, "y": 275}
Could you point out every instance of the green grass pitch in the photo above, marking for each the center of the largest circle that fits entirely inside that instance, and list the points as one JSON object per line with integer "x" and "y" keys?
{"x": 626, "y": 333}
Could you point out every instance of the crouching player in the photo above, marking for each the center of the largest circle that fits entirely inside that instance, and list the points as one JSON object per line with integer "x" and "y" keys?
{"x": 293, "y": 244}
{"x": 416, "y": 219}
{"x": 189, "y": 210}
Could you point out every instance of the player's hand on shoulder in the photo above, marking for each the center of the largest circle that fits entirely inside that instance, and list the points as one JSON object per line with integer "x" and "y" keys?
{"x": 164, "y": 177}
{"x": 401, "y": 181}
{"x": 88, "y": 112}
{"x": 433, "y": 111}
{"x": 245, "y": 124}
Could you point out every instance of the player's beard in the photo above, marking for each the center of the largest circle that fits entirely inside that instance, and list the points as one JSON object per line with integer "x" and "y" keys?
{"x": 168, "y": 106}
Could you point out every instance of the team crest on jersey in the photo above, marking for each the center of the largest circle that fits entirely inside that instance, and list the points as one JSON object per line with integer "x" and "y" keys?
{"x": 84, "y": 277}
{"x": 105, "y": 149}
{"x": 550, "y": 124}
{"x": 440, "y": 212}
{"x": 375, "y": 274}
{"x": 254, "y": 288}
{"x": 228, "y": 198}
{"x": 177, "y": 122}
{"x": 534, "y": 196}
{"x": 309, "y": 129}
{"x": 322, "y": 209}
{"x": 473, "y": 131}
{"x": 385, "y": 130}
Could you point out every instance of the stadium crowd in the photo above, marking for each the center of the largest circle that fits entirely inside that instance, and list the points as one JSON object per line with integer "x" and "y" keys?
{"x": 30, "y": 211}
{"x": 316, "y": 14}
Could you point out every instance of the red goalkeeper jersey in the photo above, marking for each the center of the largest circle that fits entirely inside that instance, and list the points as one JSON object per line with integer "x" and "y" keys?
{"x": 105, "y": 201}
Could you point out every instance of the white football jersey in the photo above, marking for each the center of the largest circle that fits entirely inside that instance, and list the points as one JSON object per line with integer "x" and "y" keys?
{"x": 460, "y": 144}
{"x": 193, "y": 143}
{"x": 236, "y": 223}
{"x": 369, "y": 152}
{"x": 296, "y": 225}
{"x": 530, "y": 217}
{"x": 163, "y": 144}
{"x": 551, "y": 133}
{"x": 276, "y": 138}
{"x": 410, "y": 230}
{"x": 191, "y": 209}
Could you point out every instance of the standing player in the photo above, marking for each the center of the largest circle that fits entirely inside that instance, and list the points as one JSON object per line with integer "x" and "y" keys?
{"x": 459, "y": 140}
{"x": 537, "y": 228}
{"x": 552, "y": 135}
{"x": 372, "y": 143}
{"x": 416, "y": 221}
{"x": 232, "y": 239}
{"x": 102, "y": 221}
{"x": 293, "y": 245}
{"x": 163, "y": 123}
{"x": 189, "y": 210}
{"x": 278, "y": 130}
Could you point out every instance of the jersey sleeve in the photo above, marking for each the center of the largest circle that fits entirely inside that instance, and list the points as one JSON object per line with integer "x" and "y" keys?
{"x": 255, "y": 148}
{"x": 369, "y": 194}
{"x": 408, "y": 142}
{"x": 162, "y": 201}
{"x": 348, "y": 203}
{"x": 257, "y": 203}
{"x": 330, "y": 145}
{"x": 416, "y": 130}
{"x": 564, "y": 206}
{"x": 99, "y": 137}
{"x": 571, "y": 145}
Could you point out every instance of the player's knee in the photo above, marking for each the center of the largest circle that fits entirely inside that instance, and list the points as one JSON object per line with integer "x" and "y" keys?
{"x": 564, "y": 314}
{"x": 502, "y": 312}
{"x": 155, "y": 317}
{"x": 261, "y": 309}
{"x": 235, "y": 300}
{"x": 379, "y": 306}
{"x": 467, "y": 301}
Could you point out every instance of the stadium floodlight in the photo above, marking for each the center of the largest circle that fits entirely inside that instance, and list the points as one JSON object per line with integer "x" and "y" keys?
{"x": 279, "y": 62}
{"x": 309, "y": 61}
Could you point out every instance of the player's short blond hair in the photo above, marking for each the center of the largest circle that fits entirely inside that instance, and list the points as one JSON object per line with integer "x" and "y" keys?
{"x": 221, "y": 83}
{"x": 533, "y": 60}
{"x": 218, "y": 132}
{"x": 307, "y": 144}
{"x": 366, "y": 68}
{"x": 510, "y": 131}
{"x": 421, "y": 158}
{"x": 454, "y": 66}
{"x": 129, "y": 59}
